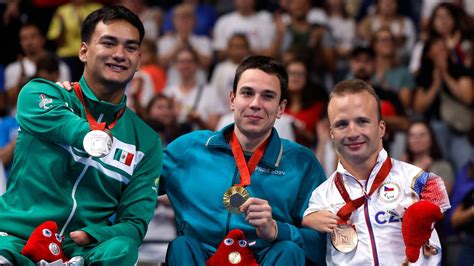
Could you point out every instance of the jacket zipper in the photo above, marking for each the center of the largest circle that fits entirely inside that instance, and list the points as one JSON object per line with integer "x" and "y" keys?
{"x": 73, "y": 196}
{"x": 369, "y": 228}
{"x": 74, "y": 189}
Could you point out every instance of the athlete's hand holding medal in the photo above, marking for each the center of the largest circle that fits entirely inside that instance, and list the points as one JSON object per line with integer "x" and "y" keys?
{"x": 236, "y": 199}
{"x": 258, "y": 213}
{"x": 327, "y": 221}
{"x": 344, "y": 236}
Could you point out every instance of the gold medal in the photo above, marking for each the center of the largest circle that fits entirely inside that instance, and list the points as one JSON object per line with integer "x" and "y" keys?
{"x": 344, "y": 238}
{"x": 234, "y": 197}
{"x": 234, "y": 257}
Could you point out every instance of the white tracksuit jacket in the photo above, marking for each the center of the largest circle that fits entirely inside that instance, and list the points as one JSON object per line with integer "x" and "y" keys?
{"x": 378, "y": 230}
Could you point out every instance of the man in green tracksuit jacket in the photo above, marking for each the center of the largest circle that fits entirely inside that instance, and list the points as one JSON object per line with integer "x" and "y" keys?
{"x": 102, "y": 203}
{"x": 200, "y": 167}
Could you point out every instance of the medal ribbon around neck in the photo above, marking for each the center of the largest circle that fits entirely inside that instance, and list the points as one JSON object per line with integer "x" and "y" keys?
{"x": 351, "y": 205}
{"x": 94, "y": 125}
{"x": 245, "y": 169}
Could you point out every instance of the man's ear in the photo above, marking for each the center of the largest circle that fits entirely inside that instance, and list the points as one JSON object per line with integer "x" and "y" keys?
{"x": 232, "y": 99}
{"x": 281, "y": 108}
{"x": 83, "y": 52}
{"x": 382, "y": 127}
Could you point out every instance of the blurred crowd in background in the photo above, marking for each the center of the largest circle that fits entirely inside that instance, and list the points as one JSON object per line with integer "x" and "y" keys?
{"x": 418, "y": 56}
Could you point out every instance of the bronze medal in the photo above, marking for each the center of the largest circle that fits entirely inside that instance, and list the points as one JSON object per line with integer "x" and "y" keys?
{"x": 344, "y": 238}
{"x": 234, "y": 257}
{"x": 234, "y": 197}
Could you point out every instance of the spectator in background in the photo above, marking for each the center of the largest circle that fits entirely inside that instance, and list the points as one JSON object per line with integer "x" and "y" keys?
{"x": 47, "y": 67}
{"x": 343, "y": 30}
{"x": 293, "y": 53}
{"x": 151, "y": 17}
{"x": 205, "y": 14}
{"x": 15, "y": 13}
{"x": 387, "y": 16}
{"x": 461, "y": 215}
{"x": 149, "y": 80}
{"x": 306, "y": 102}
{"x": 32, "y": 44}
{"x": 389, "y": 73}
{"x": 362, "y": 63}
{"x": 427, "y": 7}
{"x": 438, "y": 80}
{"x": 195, "y": 102}
{"x": 363, "y": 67}
{"x": 149, "y": 65}
{"x": 65, "y": 30}
{"x": 161, "y": 116}
{"x": 224, "y": 72}
{"x": 301, "y": 33}
{"x": 183, "y": 37}
{"x": 426, "y": 11}
{"x": 449, "y": 22}
{"x": 257, "y": 26}
{"x": 325, "y": 150}
{"x": 315, "y": 15}
{"x": 423, "y": 151}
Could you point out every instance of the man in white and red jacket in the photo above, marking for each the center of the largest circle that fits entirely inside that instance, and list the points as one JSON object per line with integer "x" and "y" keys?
{"x": 371, "y": 192}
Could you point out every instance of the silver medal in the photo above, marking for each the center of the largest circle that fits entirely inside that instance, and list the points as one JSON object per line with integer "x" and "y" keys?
{"x": 97, "y": 143}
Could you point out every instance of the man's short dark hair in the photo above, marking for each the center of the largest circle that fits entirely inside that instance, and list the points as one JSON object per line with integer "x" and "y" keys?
{"x": 107, "y": 15}
{"x": 362, "y": 50}
{"x": 354, "y": 86}
{"x": 267, "y": 65}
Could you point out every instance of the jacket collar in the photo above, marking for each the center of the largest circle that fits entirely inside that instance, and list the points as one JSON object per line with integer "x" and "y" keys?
{"x": 271, "y": 157}
{"x": 380, "y": 159}
{"x": 96, "y": 105}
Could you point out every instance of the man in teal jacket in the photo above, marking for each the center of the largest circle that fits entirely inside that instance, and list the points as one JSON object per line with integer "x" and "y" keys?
{"x": 83, "y": 160}
{"x": 199, "y": 168}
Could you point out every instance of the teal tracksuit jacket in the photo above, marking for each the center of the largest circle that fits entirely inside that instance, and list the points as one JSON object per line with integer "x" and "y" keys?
{"x": 199, "y": 167}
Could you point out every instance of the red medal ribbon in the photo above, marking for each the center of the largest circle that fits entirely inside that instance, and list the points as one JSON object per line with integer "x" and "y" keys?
{"x": 94, "y": 125}
{"x": 351, "y": 205}
{"x": 245, "y": 169}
